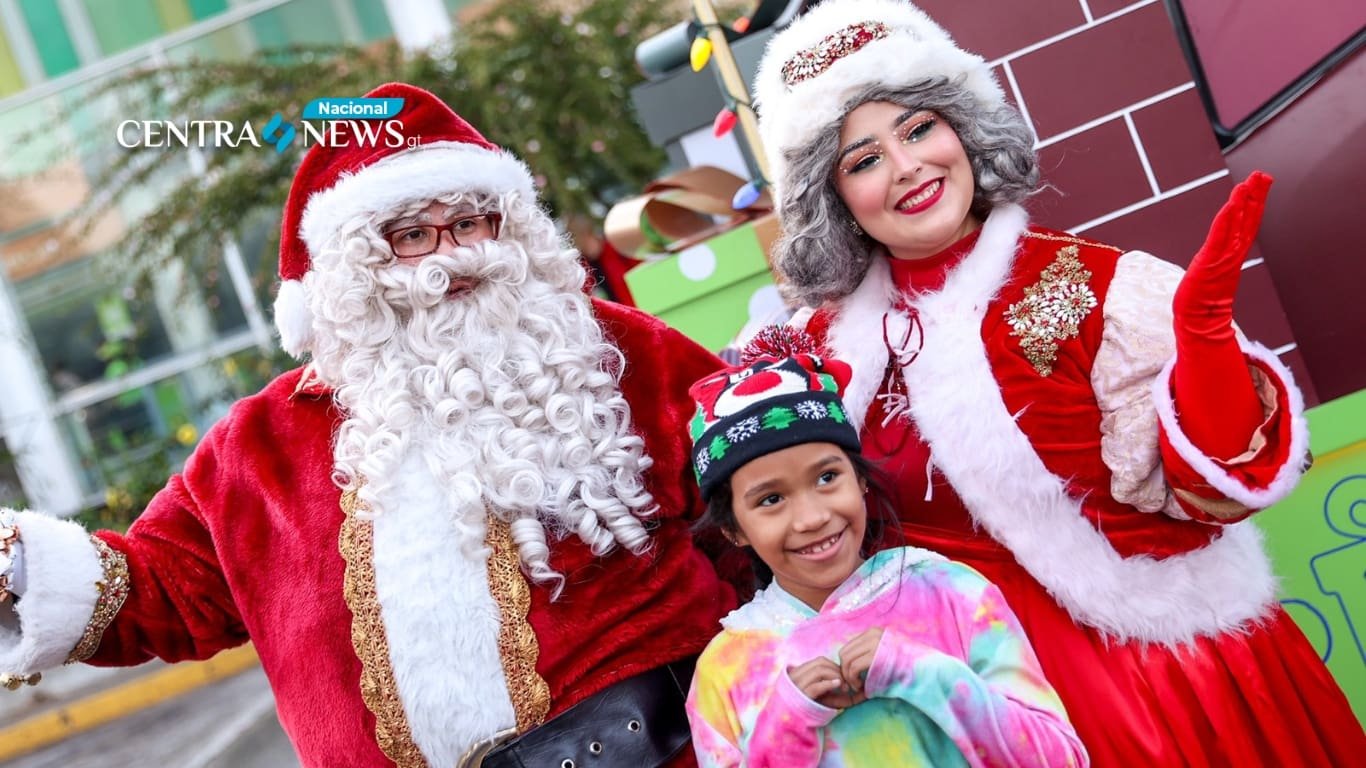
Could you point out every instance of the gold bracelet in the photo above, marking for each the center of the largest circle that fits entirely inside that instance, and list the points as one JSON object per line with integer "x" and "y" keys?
{"x": 12, "y": 682}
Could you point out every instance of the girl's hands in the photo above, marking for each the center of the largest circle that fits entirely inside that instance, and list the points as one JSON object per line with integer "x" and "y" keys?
{"x": 856, "y": 658}
{"x": 839, "y": 686}
{"x": 821, "y": 680}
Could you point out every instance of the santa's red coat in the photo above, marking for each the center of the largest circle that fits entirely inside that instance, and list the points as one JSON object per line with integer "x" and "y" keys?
{"x": 244, "y": 545}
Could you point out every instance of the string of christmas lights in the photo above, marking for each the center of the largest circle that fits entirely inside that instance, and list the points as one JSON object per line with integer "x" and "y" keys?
{"x": 708, "y": 44}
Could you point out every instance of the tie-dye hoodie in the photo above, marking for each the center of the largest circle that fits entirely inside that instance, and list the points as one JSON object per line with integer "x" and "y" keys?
{"x": 954, "y": 682}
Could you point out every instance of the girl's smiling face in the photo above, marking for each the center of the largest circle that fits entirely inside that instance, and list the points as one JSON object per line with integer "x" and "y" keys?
{"x": 802, "y": 510}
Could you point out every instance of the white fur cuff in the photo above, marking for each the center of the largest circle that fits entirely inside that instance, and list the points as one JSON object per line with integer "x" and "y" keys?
{"x": 61, "y": 567}
{"x": 1297, "y": 456}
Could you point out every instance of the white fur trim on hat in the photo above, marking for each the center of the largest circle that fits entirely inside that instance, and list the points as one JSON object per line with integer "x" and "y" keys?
{"x": 426, "y": 172}
{"x": 423, "y": 173}
{"x": 293, "y": 319}
{"x": 916, "y": 48}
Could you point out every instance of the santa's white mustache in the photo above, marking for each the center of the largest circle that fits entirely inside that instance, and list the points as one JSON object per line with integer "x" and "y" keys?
{"x": 428, "y": 284}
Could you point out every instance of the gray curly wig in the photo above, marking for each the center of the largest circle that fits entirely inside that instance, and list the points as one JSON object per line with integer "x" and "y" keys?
{"x": 821, "y": 256}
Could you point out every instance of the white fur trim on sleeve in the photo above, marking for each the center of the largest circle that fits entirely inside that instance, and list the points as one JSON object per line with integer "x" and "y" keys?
{"x": 293, "y": 319}
{"x": 61, "y": 568}
{"x": 1297, "y": 458}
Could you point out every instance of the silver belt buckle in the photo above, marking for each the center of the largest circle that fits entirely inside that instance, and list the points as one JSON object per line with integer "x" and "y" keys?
{"x": 474, "y": 756}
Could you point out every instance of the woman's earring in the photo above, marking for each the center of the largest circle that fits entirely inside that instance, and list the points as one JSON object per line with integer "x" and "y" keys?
{"x": 855, "y": 228}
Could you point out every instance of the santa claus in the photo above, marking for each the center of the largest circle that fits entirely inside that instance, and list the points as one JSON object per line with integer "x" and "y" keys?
{"x": 465, "y": 516}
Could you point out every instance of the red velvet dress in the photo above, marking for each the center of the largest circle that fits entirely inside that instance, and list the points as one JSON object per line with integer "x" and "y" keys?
{"x": 1254, "y": 695}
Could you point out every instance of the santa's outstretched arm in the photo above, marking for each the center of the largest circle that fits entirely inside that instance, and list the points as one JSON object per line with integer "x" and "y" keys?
{"x": 110, "y": 598}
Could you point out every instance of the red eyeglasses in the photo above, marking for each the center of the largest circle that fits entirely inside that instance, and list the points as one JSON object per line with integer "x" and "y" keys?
{"x": 423, "y": 240}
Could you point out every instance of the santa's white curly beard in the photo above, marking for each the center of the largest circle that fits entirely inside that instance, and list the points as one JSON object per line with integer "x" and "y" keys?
{"x": 507, "y": 391}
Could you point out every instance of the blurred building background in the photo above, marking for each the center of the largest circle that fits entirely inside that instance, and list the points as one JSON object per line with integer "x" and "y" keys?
{"x": 101, "y": 382}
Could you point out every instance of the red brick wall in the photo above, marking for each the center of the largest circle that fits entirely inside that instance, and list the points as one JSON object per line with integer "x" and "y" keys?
{"x": 1125, "y": 145}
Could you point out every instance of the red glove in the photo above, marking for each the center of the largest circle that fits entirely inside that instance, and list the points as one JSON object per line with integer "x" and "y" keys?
{"x": 1216, "y": 401}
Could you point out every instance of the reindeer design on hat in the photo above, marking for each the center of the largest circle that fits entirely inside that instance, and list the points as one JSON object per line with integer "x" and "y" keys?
{"x": 775, "y": 392}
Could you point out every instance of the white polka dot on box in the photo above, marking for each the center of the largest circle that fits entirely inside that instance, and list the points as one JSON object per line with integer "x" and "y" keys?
{"x": 706, "y": 267}
{"x": 711, "y": 290}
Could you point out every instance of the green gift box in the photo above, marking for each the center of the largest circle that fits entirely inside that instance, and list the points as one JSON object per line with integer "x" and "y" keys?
{"x": 710, "y": 290}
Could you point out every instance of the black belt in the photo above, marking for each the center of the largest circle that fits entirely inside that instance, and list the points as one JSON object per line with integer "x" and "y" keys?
{"x": 638, "y": 722}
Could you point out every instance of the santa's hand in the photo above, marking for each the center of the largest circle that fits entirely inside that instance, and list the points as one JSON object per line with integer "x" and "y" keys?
{"x": 1214, "y": 396}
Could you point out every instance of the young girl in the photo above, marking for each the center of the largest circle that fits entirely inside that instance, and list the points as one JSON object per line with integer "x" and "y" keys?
{"x": 901, "y": 659}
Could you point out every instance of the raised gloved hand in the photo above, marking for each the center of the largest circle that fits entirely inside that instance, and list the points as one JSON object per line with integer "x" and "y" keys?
{"x": 1216, "y": 401}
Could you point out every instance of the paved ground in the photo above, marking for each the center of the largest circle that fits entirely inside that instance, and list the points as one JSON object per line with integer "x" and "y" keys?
{"x": 64, "y": 685}
{"x": 226, "y": 724}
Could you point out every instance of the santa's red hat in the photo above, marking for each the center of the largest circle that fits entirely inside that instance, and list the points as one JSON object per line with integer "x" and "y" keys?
{"x": 440, "y": 154}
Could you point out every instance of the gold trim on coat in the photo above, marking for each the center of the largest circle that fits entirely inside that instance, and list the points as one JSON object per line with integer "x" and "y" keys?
{"x": 517, "y": 645}
{"x": 378, "y": 688}
{"x": 1052, "y": 309}
{"x": 113, "y": 590}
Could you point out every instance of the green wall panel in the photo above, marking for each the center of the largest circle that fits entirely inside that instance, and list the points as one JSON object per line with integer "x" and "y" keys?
{"x": 174, "y": 14}
{"x": 374, "y": 22}
{"x": 203, "y": 9}
{"x": 48, "y": 29}
{"x": 122, "y": 24}
{"x": 11, "y": 80}
{"x": 302, "y": 22}
{"x": 1317, "y": 541}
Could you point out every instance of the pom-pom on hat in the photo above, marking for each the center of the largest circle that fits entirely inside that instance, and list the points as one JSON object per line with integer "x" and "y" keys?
{"x": 812, "y": 69}
{"x": 438, "y": 153}
{"x": 783, "y": 394}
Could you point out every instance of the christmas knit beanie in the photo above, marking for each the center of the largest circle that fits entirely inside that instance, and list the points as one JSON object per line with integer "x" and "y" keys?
{"x": 782, "y": 394}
